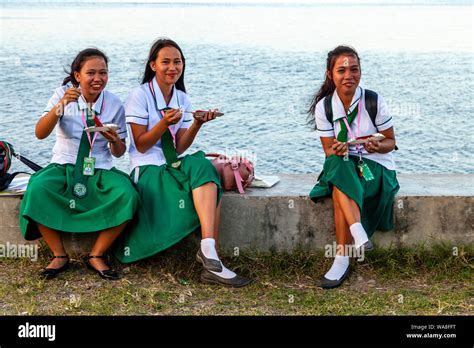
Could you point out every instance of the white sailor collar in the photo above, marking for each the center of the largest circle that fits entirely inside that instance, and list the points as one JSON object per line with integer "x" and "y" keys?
{"x": 338, "y": 108}
{"x": 160, "y": 100}
{"x": 98, "y": 105}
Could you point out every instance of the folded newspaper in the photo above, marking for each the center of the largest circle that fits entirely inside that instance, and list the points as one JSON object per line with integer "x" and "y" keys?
{"x": 264, "y": 181}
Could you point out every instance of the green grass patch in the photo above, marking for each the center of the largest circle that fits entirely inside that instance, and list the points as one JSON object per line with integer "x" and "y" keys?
{"x": 411, "y": 281}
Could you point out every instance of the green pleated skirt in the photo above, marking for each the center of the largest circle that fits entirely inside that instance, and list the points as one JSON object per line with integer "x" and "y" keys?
{"x": 166, "y": 214}
{"x": 111, "y": 200}
{"x": 374, "y": 197}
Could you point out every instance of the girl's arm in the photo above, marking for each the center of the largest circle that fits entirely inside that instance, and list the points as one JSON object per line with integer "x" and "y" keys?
{"x": 185, "y": 137}
{"x": 46, "y": 124}
{"x": 333, "y": 147}
{"x": 145, "y": 140}
{"x": 382, "y": 146}
{"x": 117, "y": 146}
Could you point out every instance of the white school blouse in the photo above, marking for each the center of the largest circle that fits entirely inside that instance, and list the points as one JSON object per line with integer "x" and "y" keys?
{"x": 108, "y": 108}
{"x": 383, "y": 121}
{"x": 140, "y": 109}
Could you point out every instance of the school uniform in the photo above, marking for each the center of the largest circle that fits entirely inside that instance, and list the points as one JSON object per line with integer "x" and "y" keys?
{"x": 164, "y": 181}
{"x": 374, "y": 197}
{"x": 103, "y": 200}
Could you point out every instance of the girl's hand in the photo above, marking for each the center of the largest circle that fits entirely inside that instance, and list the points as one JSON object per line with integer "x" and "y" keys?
{"x": 172, "y": 116}
{"x": 205, "y": 116}
{"x": 71, "y": 95}
{"x": 372, "y": 145}
{"x": 340, "y": 149}
{"x": 111, "y": 136}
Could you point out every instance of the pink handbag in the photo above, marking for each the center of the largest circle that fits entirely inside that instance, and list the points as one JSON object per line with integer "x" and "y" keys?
{"x": 235, "y": 173}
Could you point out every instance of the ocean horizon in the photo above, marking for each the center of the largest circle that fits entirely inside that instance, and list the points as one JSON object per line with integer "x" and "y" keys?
{"x": 260, "y": 64}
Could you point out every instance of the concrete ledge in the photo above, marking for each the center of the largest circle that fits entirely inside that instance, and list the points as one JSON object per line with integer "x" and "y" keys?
{"x": 430, "y": 208}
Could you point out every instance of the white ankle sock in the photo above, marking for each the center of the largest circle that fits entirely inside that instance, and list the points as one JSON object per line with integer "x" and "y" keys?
{"x": 359, "y": 234}
{"x": 226, "y": 273}
{"x": 208, "y": 248}
{"x": 338, "y": 268}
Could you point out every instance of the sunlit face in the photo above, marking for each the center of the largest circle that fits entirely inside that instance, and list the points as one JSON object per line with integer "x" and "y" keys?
{"x": 93, "y": 76}
{"x": 345, "y": 74}
{"x": 168, "y": 66}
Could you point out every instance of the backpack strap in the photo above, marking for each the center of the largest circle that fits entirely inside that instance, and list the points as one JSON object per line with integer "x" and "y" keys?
{"x": 371, "y": 99}
{"x": 7, "y": 152}
{"x": 328, "y": 108}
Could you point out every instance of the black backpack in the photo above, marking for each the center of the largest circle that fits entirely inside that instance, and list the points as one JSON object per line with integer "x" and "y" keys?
{"x": 6, "y": 154}
{"x": 371, "y": 99}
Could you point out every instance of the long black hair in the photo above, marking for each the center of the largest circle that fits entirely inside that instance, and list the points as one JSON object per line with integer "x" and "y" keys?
{"x": 328, "y": 85}
{"x": 81, "y": 57}
{"x": 149, "y": 74}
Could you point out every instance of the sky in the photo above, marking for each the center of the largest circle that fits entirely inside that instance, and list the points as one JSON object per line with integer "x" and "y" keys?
{"x": 257, "y": 1}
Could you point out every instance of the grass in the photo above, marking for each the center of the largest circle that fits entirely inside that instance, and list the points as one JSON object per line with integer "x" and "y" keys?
{"x": 415, "y": 281}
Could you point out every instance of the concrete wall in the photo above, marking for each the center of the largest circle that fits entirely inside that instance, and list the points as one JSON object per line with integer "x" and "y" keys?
{"x": 428, "y": 209}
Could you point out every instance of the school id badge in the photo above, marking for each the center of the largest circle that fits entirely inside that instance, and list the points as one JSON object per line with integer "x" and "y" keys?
{"x": 88, "y": 168}
{"x": 365, "y": 172}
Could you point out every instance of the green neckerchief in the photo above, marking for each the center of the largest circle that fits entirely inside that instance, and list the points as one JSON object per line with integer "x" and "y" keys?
{"x": 342, "y": 136}
{"x": 169, "y": 150}
{"x": 167, "y": 143}
{"x": 79, "y": 187}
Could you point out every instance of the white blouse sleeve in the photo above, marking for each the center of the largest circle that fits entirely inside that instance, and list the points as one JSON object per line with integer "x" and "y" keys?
{"x": 119, "y": 120}
{"x": 383, "y": 120}
{"x": 136, "y": 109}
{"x": 57, "y": 95}
{"x": 324, "y": 128}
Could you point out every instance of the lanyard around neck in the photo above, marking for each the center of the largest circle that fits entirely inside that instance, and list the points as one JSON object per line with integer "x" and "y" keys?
{"x": 351, "y": 135}
{"x": 96, "y": 121}
{"x": 161, "y": 112}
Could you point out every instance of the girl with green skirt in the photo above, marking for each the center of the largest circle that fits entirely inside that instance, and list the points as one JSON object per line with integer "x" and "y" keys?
{"x": 178, "y": 194}
{"x": 80, "y": 191}
{"x": 359, "y": 170}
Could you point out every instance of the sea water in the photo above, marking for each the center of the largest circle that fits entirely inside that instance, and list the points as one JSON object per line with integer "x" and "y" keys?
{"x": 260, "y": 64}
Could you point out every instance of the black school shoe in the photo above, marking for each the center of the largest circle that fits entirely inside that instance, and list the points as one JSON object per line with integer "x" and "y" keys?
{"x": 367, "y": 246}
{"x": 108, "y": 274}
{"x": 331, "y": 284}
{"x": 236, "y": 282}
{"x": 209, "y": 264}
{"x": 50, "y": 273}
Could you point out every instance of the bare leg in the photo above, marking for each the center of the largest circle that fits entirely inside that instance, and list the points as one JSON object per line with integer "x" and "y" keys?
{"x": 102, "y": 244}
{"x": 344, "y": 215}
{"x": 217, "y": 222}
{"x": 348, "y": 207}
{"x": 343, "y": 235}
{"x": 205, "y": 199}
{"x": 55, "y": 243}
{"x": 351, "y": 214}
